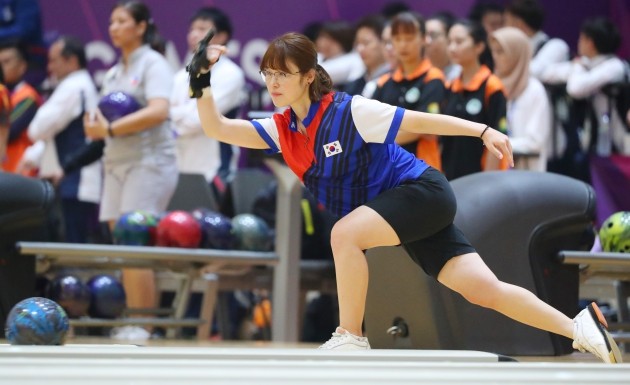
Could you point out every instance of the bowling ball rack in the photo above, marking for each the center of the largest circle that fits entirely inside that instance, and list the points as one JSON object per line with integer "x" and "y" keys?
{"x": 280, "y": 269}
{"x": 187, "y": 262}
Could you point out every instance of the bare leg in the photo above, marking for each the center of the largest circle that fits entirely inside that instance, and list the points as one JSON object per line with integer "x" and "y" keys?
{"x": 469, "y": 276}
{"x": 139, "y": 285}
{"x": 466, "y": 274}
{"x": 360, "y": 230}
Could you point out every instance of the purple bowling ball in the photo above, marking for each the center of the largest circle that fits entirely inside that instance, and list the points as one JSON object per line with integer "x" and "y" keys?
{"x": 216, "y": 229}
{"x": 108, "y": 299}
{"x": 117, "y": 104}
{"x": 71, "y": 294}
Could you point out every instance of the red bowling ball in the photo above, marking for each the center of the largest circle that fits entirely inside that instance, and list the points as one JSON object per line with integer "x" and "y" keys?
{"x": 178, "y": 229}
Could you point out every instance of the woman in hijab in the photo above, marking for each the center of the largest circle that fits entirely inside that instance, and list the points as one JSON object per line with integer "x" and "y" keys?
{"x": 528, "y": 110}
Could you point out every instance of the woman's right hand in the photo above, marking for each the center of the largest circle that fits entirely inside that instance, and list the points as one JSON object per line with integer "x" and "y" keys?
{"x": 95, "y": 125}
{"x": 213, "y": 53}
{"x": 199, "y": 69}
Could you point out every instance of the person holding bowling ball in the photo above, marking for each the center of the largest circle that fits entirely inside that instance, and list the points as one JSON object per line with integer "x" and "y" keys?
{"x": 139, "y": 155}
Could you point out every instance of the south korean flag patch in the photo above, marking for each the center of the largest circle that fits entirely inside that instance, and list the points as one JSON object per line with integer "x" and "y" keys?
{"x": 332, "y": 148}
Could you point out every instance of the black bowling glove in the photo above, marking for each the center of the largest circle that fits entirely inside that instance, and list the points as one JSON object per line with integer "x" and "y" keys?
{"x": 198, "y": 68}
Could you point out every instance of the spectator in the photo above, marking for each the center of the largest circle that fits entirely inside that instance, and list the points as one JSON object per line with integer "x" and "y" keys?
{"x": 60, "y": 119}
{"x": 24, "y": 103}
{"x": 388, "y": 49}
{"x": 586, "y": 77}
{"x": 528, "y": 109}
{"x": 197, "y": 153}
{"x": 414, "y": 84}
{"x": 140, "y": 156}
{"x": 437, "y": 44}
{"x": 476, "y": 95}
{"x": 369, "y": 45}
{"x": 529, "y": 17}
{"x": 21, "y": 23}
{"x": 334, "y": 47}
{"x": 311, "y": 30}
{"x": 488, "y": 14}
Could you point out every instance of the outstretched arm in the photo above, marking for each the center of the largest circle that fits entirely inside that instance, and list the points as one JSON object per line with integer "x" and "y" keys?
{"x": 234, "y": 131}
{"x": 436, "y": 124}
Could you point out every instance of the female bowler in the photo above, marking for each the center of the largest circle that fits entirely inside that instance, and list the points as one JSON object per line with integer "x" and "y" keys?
{"x": 343, "y": 149}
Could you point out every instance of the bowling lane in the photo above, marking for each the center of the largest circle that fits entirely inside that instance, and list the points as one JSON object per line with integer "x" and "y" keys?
{"x": 81, "y": 352}
{"x": 129, "y": 364}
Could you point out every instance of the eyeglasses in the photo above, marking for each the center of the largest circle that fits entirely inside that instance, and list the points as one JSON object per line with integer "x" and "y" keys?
{"x": 280, "y": 77}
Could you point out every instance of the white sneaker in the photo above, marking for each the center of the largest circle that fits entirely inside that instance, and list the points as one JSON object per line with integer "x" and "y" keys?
{"x": 129, "y": 333}
{"x": 343, "y": 340}
{"x": 590, "y": 335}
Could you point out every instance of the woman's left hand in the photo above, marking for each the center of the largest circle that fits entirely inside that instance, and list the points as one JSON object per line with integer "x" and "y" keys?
{"x": 95, "y": 125}
{"x": 498, "y": 144}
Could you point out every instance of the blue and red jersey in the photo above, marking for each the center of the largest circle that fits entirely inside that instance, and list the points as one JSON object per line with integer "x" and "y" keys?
{"x": 348, "y": 154}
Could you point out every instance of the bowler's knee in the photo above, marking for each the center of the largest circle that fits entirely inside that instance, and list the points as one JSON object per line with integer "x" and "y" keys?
{"x": 486, "y": 294}
{"x": 342, "y": 236}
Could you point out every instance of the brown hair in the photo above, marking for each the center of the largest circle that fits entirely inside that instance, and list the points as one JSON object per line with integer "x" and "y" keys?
{"x": 408, "y": 22}
{"x": 299, "y": 50}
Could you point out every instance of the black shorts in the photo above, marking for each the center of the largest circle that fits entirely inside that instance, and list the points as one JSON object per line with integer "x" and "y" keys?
{"x": 421, "y": 212}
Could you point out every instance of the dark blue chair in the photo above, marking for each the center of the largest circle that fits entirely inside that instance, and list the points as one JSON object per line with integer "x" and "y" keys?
{"x": 24, "y": 206}
{"x": 518, "y": 221}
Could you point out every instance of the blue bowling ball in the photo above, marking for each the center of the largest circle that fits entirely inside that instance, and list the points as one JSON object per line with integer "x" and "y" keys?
{"x": 252, "y": 233}
{"x": 216, "y": 229}
{"x": 117, "y": 104}
{"x": 107, "y": 297}
{"x": 71, "y": 293}
{"x": 37, "y": 321}
{"x": 135, "y": 228}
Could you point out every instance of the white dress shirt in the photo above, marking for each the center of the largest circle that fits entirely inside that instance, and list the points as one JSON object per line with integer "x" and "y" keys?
{"x": 344, "y": 68}
{"x": 62, "y": 107}
{"x": 553, "y": 51}
{"x": 196, "y": 152}
{"x": 585, "y": 78}
{"x": 529, "y": 127}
